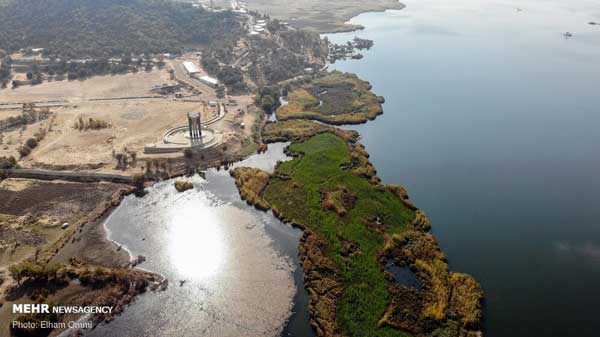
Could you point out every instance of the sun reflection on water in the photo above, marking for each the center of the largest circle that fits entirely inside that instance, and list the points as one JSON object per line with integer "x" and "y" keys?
{"x": 196, "y": 242}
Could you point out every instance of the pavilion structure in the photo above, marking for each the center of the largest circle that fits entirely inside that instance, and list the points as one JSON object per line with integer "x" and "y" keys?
{"x": 194, "y": 126}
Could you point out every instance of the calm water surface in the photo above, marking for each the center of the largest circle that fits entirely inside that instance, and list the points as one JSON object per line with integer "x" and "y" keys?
{"x": 232, "y": 270}
{"x": 492, "y": 123}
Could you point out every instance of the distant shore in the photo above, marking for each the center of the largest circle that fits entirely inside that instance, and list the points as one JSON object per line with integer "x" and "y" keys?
{"x": 322, "y": 17}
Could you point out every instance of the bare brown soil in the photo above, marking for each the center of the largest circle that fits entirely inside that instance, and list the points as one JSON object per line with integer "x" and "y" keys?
{"x": 32, "y": 213}
{"x": 136, "y": 116}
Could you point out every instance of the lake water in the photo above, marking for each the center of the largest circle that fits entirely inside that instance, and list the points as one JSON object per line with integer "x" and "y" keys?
{"x": 492, "y": 122}
{"x": 232, "y": 270}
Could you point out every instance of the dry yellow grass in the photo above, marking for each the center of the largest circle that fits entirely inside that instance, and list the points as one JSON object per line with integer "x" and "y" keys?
{"x": 303, "y": 98}
{"x": 299, "y": 129}
{"x": 251, "y": 183}
{"x": 466, "y": 298}
{"x": 447, "y": 296}
{"x": 339, "y": 200}
{"x": 182, "y": 185}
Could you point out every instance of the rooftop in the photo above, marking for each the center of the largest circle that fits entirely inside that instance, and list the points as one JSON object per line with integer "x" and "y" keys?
{"x": 190, "y": 67}
{"x": 208, "y": 79}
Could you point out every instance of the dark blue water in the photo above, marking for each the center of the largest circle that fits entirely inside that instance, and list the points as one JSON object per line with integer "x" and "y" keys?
{"x": 492, "y": 122}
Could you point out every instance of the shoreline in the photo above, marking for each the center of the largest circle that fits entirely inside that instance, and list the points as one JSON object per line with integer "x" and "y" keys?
{"x": 304, "y": 247}
{"x": 326, "y": 283}
{"x": 349, "y": 28}
{"x": 91, "y": 229}
{"x": 83, "y": 249}
{"x": 466, "y": 304}
{"x": 284, "y": 242}
{"x": 322, "y": 17}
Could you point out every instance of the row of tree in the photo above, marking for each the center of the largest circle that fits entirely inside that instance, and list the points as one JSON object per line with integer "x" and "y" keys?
{"x": 90, "y": 124}
{"x": 5, "y": 67}
{"x": 29, "y": 115}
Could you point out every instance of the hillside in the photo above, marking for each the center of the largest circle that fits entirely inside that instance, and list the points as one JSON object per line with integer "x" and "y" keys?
{"x": 102, "y": 28}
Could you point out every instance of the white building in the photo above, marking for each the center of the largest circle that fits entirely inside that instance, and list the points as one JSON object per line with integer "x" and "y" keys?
{"x": 190, "y": 68}
{"x": 210, "y": 81}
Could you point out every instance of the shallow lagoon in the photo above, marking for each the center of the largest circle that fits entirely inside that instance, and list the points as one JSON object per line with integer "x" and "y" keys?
{"x": 232, "y": 270}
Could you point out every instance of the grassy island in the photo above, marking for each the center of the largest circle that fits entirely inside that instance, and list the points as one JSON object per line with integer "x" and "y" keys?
{"x": 297, "y": 130}
{"x": 335, "y": 98}
{"x": 183, "y": 185}
{"x": 354, "y": 228}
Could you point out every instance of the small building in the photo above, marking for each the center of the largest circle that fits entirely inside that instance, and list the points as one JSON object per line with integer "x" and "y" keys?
{"x": 210, "y": 81}
{"x": 190, "y": 68}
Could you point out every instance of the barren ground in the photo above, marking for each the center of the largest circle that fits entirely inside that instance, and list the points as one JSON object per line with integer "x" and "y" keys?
{"x": 134, "y": 122}
{"x": 110, "y": 86}
{"x": 32, "y": 212}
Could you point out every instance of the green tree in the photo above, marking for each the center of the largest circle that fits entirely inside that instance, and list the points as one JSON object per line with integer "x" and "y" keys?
{"x": 16, "y": 272}
{"x": 267, "y": 103}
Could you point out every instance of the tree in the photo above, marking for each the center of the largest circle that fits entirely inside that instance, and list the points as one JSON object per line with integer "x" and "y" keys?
{"x": 24, "y": 151}
{"x": 7, "y": 162}
{"x": 139, "y": 180}
{"x": 52, "y": 270}
{"x": 220, "y": 91}
{"x": 133, "y": 156}
{"x": 119, "y": 157}
{"x": 267, "y": 103}
{"x": 16, "y": 272}
{"x": 31, "y": 142}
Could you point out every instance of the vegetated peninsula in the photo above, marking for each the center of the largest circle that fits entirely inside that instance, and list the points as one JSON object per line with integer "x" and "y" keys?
{"x": 333, "y": 98}
{"x": 362, "y": 239}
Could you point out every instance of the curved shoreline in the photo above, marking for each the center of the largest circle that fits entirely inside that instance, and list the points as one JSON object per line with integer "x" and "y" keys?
{"x": 348, "y": 27}
{"x": 449, "y": 301}
{"x": 292, "y": 323}
{"x": 464, "y": 305}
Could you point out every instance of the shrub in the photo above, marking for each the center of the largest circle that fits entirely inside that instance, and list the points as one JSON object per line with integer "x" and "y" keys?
{"x": 24, "y": 151}
{"x": 7, "y": 163}
{"x": 138, "y": 180}
{"x": 31, "y": 143}
{"x": 182, "y": 186}
{"x": 91, "y": 124}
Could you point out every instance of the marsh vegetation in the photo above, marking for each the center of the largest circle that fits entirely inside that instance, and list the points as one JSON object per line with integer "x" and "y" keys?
{"x": 333, "y": 98}
{"x": 353, "y": 224}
